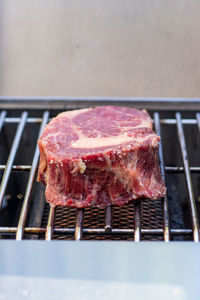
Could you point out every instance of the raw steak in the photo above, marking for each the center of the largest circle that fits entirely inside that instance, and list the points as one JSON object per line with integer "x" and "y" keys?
{"x": 98, "y": 157}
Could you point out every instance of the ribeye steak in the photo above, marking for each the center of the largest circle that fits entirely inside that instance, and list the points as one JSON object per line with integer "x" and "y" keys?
{"x": 100, "y": 156}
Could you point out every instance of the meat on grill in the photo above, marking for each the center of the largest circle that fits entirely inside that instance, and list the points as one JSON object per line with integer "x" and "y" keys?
{"x": 100, "y": 156}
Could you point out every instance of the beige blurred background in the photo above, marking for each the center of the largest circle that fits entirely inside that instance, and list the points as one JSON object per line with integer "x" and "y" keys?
{"x": 100, "y": 48}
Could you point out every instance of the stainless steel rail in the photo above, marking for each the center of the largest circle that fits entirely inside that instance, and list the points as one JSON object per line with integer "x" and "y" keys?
{"x": 108, "y": 223}
{"x": 137, "y": 225}
{"x": 167, "y": 169}
{"x": 164, "y": 200}
{"x": 195, "y": 223}
{"x": 25, "y": 205}
{"x": 79, "y": 224}
{"x": 198, "y": 120}
{"x": 39, "y": 120}
{"x": 49, "y": 229}
{"x": 2, "y": 118}
{"x": 9, "y": 102}
{"x": 12, "y": 154}
{"x": 117, "y": 231}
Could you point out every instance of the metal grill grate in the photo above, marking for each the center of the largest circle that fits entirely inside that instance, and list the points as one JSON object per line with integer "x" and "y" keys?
{"x": 24, "y": 213}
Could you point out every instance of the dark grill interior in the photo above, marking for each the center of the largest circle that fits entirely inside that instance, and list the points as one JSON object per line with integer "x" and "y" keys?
{"x": 25, "y": 215}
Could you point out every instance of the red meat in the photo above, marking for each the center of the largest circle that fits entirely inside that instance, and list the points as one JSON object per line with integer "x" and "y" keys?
{"x": 98, "y": 157}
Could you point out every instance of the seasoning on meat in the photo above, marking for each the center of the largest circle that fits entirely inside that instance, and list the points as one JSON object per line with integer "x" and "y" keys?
{"x": 100, "y": 156}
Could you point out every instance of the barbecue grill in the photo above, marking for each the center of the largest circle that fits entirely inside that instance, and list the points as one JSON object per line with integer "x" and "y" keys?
{"x": 24, "y": 213}
{"x": 35, "y": 269}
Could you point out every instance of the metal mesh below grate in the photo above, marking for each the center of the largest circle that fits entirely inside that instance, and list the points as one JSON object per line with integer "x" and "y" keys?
{"x": 122, "y": 217}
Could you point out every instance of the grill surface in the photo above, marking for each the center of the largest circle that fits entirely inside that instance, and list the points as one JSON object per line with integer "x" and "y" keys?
{"x": 25, "y": 215}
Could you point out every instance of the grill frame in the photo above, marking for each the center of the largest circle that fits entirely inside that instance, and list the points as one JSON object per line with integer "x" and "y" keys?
{"x": 161, "y": 104}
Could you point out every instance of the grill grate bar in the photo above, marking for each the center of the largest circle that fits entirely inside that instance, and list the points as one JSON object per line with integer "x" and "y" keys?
{"x": 79, "y": 224}
{"x": 26, "y": 201}
{"x": 17, "y": 120}
{"x": 49, "y": 228}
{"x": 17, "y": 167}
{"x": 137, "y": 222}
{"x": 162, "y": 121}
{"x": 198, "y": 120}
{"x": 164, "y": 200}
{"x": 2, "y": 118}
{"x": 174, "y": 121}
{"x": 181, "y": 137}
{"x": 36, "y": 230}
{"x": 167, "y": 169}
{"x": 181, "y": 169}
{"x": 108, "y": 225}
{"x": 12, "y": 154}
